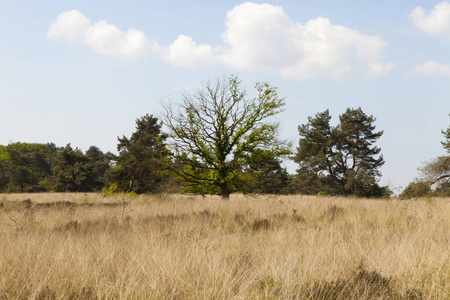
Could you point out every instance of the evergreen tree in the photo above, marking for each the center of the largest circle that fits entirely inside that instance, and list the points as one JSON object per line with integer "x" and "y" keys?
{"x": 100, "y": 164}
{"x": 141, "y": 165}
{"x": 358, "y": 159}
{"x": 265, "y": 175}
{"x": 24, "y": 167}
{"x": 341, "y": 159}
{"x": 72, "y": 171}
{"x": 33, "y": 167}
{"x": 4, "y": 178}
{"x": 19, "y": 169}
{"x": 316, "y": 156}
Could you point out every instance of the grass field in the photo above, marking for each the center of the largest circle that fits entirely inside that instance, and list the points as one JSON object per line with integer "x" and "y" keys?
{"x": 86, "y": 246}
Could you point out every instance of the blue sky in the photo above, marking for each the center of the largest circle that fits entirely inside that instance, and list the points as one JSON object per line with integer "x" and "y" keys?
{"x": 82, "y": 72}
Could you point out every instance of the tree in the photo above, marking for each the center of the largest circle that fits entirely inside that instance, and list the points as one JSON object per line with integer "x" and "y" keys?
{"x": 436, "y": 172}
{"x": 446, "y": 143}
{"x": 34, "y": 167}
{"x": 266, "y": 177}
{"x": 72, "y": 171}
{"x": 416, "y": 189}
{"x": 315, "y": 156}
{"x": 218, "y": 130}
{"x": 4, "y": 178}
{"x": 142, "y": 161}
{"x": 19, "y": 171}
{"x": 341, "y": 159}
{"x": 100, "y": 165}
{"x": 24, "y": 167}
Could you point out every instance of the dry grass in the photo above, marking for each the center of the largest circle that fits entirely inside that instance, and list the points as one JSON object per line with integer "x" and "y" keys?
{"x": 85, "y": 246}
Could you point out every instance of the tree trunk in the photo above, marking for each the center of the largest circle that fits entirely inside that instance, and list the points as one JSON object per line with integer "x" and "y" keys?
{"x": 224, "y": 191}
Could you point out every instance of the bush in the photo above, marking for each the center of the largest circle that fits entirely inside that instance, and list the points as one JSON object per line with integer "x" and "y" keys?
{"x": 416, "y": 190}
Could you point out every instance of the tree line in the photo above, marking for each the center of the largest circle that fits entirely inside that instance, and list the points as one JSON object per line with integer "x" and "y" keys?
{"x": 216, "y": 140}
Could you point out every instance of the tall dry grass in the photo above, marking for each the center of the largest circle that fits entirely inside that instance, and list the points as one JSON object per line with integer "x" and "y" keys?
{"x": 85, "y": 246}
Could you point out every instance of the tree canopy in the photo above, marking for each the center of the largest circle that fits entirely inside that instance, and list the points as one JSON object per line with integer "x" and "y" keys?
{"x": 340, "y": 159}
{"x": 221, "y": 140}
{"x": 142, "y": 161}
{"x": 435, "y": 173}
{"x": 33, "y": 167}
{"x": 218, "y": 130}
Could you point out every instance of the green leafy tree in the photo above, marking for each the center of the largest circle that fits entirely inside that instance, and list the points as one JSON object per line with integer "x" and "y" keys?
{"x": 141, "y": 165}
{"x": 416, "y": 189}
{"x": 217, "y": 130}
{"x": 342, "y": 159}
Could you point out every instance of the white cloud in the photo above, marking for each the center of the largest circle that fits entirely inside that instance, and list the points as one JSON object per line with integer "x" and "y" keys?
{"x": 263, "y": 37}
{"x": 378, "y": 69}
{"x": 185, "y": 52}
{"x": 432, "y": 69}
{"x": 71, "y": 26}
{"x": 259, "y": 37}
{"x": 104, "y": 38}
{"x": 437, "y": 21}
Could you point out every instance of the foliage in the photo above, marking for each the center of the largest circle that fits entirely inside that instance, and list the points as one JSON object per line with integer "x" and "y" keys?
{"x": 113, "y": 190}
{"x": 217, "y": 131}
{"x": 266, "y": 177}
{"x": 142, "y": 161}
{"x": 32, "y": 167}
{"x": 436, "y": 172}
{"x": 73, "y": 171}
{"x": 100, "y": 163}
{"x": 341, "y": 159}
{"x": 23, "y": 167}
{"x": 446, "y": 143}
{"x": 416, "y": 189}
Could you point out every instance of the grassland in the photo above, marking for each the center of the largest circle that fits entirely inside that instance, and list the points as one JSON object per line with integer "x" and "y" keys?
{"x": 86, "y": 246}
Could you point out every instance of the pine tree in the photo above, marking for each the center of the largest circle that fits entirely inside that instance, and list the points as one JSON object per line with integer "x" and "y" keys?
{"x": 72, "y": 171}
{"x": 141, "y": 165}
{"x": 341, "y": 159}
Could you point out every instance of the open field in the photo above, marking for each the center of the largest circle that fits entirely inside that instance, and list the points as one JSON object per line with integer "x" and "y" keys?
{"x": 86, "y": 246}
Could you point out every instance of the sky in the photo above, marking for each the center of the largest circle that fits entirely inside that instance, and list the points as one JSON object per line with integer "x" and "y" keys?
{"x": 82, "y": 72}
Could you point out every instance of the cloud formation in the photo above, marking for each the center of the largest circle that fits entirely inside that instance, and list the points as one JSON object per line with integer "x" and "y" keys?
{"x": 185, "y": 52}
{"x": 432, "y": 69}
{"x": 437, "y": 21}
{"x": 259, "y": 37}
{"x": 262, "y": 37}
{"x": 72, "y": 26}
{"x": 378, "y": 69}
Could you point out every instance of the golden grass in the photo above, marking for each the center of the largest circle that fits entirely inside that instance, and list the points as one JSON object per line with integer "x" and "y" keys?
{"x": 85, "y": 246}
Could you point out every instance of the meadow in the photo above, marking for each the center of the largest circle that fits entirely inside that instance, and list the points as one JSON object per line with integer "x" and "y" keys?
{"x": 88, "y": 246}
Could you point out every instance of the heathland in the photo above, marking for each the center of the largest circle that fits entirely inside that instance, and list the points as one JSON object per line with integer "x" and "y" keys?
{"x": 89, "y": 246}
